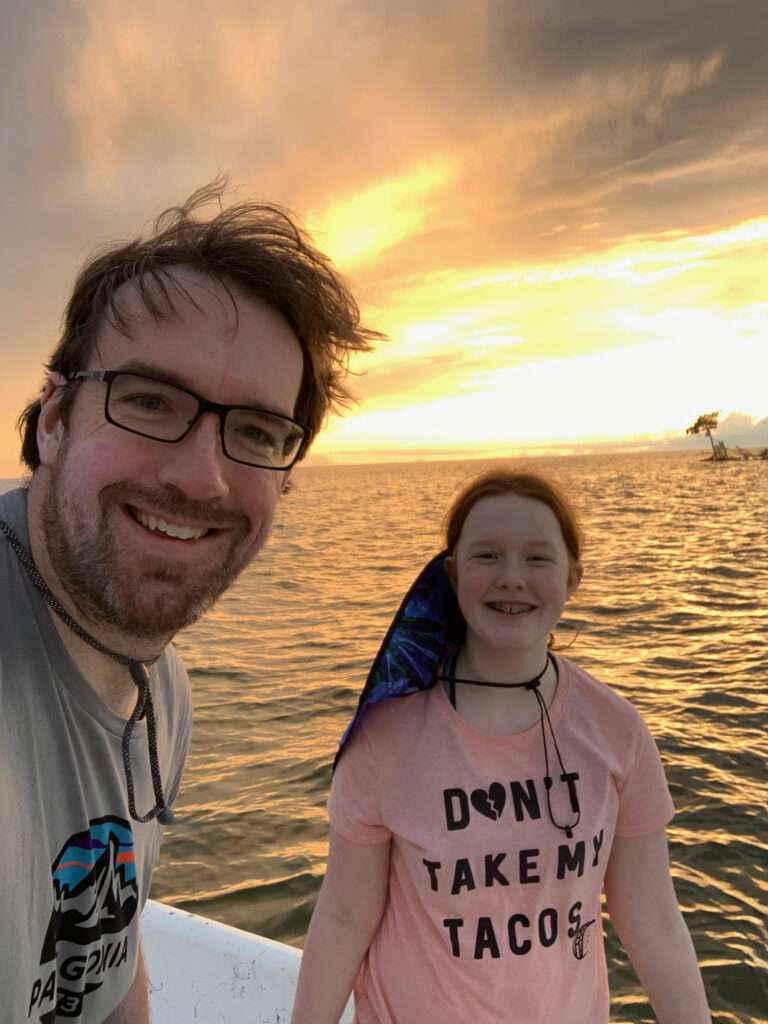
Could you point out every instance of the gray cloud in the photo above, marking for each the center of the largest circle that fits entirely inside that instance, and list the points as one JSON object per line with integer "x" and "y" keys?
{"x": 571, "y": 126}
{"x": 555, "y": 108}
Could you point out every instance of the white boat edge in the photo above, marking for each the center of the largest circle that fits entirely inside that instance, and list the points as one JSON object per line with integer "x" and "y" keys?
{"x": 201, "y": 970}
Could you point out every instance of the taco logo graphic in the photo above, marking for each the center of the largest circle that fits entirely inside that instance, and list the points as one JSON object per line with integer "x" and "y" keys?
{"x": 582, "y": 940}
{"x": 95, "y": 898}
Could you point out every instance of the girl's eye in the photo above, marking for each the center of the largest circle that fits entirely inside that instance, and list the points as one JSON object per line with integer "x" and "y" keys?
{"x": 540, "y": 558}
{"x": 485, "y": 556}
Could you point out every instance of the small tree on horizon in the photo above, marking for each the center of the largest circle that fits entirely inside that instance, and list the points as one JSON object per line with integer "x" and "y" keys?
{"x": 705, "y": 424}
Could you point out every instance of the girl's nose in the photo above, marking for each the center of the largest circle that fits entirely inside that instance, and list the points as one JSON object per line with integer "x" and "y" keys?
{"x": 510, "y": 573}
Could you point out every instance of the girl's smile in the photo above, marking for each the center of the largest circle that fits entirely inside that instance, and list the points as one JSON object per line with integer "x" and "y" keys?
{"x": 512, "y": 575}
{"x": 510, "y": 609}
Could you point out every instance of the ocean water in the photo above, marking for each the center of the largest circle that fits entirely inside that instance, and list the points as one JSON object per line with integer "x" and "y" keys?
{"x": 672, "y": 612}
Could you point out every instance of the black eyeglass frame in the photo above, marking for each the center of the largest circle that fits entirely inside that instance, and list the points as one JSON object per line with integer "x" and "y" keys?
{"x": 203, "y": 405}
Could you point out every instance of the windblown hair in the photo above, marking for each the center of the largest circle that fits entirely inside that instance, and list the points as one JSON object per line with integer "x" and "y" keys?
{"x": 256, "y": 248}
{"x": 496, "y": 482}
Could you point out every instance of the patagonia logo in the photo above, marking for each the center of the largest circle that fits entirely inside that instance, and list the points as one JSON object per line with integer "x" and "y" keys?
{"x": 95, "y": 898}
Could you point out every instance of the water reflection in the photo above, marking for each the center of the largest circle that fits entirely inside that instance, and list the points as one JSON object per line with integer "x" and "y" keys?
{"x": 672, "y": 613}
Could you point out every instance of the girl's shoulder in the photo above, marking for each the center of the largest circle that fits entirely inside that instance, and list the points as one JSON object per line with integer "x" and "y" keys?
{"x": 588, "y": 695}
{"x": 393, "y": 713}
{"x": 386, "y": 727}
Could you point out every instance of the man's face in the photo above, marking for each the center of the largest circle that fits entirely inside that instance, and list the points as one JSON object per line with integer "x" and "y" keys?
{"x": 141, "y": 535}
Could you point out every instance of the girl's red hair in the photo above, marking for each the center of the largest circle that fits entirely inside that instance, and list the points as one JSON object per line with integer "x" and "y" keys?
{"x": 525, "y": 484}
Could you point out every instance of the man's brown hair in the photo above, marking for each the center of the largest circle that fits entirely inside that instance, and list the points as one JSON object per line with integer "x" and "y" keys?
{"x": 256, "y": 248}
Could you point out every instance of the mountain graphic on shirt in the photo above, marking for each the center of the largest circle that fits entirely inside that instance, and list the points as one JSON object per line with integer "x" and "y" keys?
{"x": 94, "y": 886}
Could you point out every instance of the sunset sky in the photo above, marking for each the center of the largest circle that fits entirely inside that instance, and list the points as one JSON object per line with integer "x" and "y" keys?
{"x": 557, "y": 210}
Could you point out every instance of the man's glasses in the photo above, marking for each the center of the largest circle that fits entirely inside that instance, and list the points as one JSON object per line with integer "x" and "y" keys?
{"x": 166, "y": 412}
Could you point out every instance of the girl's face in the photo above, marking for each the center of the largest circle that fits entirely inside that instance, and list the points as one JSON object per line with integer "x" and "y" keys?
{"x": 512, "y": 573}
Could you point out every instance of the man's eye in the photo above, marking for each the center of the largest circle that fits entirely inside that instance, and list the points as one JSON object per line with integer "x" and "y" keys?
{"x": 151, "y": 403}
{"x": 257, "y": 435}
{"x": 142, "y": 401}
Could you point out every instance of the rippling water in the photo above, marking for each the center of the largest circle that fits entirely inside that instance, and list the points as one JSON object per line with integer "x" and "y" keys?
{"x": 672, "y": 612}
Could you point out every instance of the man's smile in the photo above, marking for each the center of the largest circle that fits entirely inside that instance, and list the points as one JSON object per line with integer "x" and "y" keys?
{"x": 176, "y": 530}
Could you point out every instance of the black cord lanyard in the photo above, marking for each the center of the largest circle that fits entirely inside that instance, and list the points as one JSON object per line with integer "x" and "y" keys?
{"x": 144, "y": 707}
{"x": 531, "y": 684}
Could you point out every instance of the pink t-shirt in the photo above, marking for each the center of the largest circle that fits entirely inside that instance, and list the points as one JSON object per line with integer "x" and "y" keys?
{"x": 493, "y": 913}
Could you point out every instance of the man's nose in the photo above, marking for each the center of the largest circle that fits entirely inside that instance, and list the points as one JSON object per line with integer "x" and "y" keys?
{"x": 197, "y": 465}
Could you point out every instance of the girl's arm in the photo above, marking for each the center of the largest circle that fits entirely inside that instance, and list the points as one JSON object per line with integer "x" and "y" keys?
{"x": 348, "y": 911}
{"x": 644, "y": 911}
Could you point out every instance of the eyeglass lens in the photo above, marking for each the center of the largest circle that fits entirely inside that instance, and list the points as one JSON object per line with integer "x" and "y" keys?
{"x": 164, "y": 412}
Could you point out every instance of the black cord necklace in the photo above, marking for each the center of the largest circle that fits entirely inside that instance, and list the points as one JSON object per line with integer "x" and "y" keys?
{"x": 531, "y": 684}
{"x": 138, "y": 669}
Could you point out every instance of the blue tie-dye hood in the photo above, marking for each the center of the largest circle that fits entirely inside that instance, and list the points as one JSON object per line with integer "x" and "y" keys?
{"x": 427, "y": 624}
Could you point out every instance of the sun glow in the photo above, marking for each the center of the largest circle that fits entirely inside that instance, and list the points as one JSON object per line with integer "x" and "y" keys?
{"x": 555, "y": 257}
{"x": 360, "y": 226}
{"x": 616, "y": 346}
{"x": 589, "y": 398}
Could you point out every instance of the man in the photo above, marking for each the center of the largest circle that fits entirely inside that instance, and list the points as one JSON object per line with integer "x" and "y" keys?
{"x": 195, "y": 367}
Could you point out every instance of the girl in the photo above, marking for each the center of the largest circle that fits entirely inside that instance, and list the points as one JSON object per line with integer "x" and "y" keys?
{"x": 475, "y": 823}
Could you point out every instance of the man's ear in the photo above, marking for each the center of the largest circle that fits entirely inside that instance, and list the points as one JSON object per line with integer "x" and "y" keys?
{"x": 50, "y": 429}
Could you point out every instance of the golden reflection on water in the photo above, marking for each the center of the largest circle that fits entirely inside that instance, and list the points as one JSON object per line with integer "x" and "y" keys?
{"x": 671, "y": 613}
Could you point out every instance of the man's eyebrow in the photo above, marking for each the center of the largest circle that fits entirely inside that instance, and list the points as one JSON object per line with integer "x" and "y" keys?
{"x": 156, "y": 372}
{"x": 168, "y": 376}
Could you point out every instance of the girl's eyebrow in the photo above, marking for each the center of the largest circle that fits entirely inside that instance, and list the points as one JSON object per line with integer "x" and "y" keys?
{"x": 482, "y": 543}
{"x": 546, "y": 546}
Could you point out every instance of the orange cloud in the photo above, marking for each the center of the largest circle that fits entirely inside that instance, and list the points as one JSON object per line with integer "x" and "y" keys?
{"x": 363, "y": 225}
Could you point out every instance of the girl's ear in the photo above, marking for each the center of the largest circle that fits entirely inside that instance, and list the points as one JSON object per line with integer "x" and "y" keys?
{"x": 574, "y": 579}
{"x": 50, "y": 429}
{"x": 450, "y": 568}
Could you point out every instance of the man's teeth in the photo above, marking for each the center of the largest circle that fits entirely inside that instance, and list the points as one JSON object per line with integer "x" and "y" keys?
{"x": 171, "y": 529}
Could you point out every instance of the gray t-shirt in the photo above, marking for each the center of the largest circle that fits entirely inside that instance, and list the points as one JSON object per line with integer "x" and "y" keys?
{"x": 74, "y": 868}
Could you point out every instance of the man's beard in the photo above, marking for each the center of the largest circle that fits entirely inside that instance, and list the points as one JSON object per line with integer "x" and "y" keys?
{"x": 150, "y": 603}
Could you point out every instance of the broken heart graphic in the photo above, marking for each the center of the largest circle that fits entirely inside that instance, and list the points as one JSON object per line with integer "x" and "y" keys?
{"x": 491, "y": 803}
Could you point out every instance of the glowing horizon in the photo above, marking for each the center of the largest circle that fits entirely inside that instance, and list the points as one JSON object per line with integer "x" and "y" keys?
{"x": 565, "y": 245}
